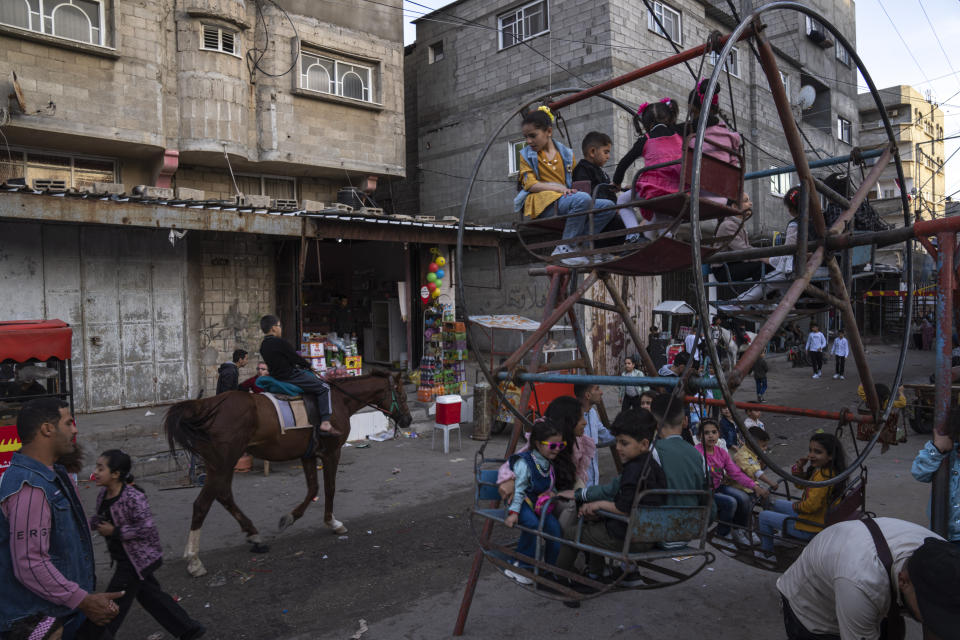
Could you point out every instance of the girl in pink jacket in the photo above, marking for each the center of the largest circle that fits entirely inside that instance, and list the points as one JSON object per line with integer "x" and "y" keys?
{"x": 733, "y": 505}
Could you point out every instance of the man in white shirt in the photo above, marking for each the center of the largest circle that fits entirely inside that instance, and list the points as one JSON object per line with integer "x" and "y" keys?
{"x": 590, "y": 395}
{"x": 838, "y": 588}
{"x": 816, "y": 342}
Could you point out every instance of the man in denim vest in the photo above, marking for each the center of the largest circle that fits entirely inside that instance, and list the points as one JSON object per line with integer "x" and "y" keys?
{"x": 46, "y": 555}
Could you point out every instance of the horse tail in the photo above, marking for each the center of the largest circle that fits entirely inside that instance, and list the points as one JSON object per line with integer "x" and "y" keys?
{"x": 187, "y": 423}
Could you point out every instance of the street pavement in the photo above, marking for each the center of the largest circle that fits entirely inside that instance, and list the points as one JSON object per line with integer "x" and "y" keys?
{"x": 403, "y": 564}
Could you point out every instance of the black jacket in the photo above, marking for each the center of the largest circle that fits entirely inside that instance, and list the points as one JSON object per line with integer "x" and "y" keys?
{"x": 281, "y": 358}
{"x": 228, "y": 377}
{"x": 586, "y": 170}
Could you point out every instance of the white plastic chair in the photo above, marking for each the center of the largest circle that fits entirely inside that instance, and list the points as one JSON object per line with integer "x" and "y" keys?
{"x": 447, "y": 428}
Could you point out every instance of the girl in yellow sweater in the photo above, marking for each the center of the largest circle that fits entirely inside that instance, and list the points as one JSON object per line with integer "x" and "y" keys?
{"x": 826, "y": 459}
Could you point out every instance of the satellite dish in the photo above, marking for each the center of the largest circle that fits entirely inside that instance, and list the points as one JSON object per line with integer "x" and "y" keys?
{"x": 18, "y": 92}
{"x": 807, "y": 96}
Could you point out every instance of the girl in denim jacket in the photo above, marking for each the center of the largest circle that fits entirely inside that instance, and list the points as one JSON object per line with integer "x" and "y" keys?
{"x": 928, "y": 460}
{"x": 124, "y": 519}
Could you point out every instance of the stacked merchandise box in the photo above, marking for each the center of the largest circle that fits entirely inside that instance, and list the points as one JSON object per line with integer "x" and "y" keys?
{"x": 431, "y": 364}
{"x": 454, "y": 358}
{"x": 354, "y": 365}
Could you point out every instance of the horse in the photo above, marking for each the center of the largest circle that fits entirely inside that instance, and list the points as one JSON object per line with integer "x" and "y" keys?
{"x": 222, "y": 428}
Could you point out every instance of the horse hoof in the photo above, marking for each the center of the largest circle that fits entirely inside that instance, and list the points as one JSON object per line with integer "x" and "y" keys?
{"x": 195, "y": 568}
{"x": 286, "y": 521}
{"x": 259, "y": 547}
{"x": 336, "y": 526}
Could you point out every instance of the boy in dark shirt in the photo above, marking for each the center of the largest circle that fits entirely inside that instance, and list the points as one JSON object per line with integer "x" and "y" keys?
{"x": 287, "y": 365}
{"x": 634, "y": 430}
{"x": 596, "y": 153}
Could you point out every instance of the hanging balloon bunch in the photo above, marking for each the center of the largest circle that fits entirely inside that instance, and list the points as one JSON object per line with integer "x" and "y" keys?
{"x": 435, "y": 276}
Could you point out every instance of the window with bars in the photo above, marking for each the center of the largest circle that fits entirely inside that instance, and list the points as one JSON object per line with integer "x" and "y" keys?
{"x": 78, "y": 20}
{"x": 843, "y": 129}
{"x": 670, "y": 19}
{"x": 216, "y": 38}
{"x": 843, "y": 55}
{"x": 73, "y": 171}
{"x": 733, "y": 62}
{"x": 277, "y": 187}
{"x": 781, "y": 183}
{"x": 521, "y": 24}
{"x": 335, "y": 77}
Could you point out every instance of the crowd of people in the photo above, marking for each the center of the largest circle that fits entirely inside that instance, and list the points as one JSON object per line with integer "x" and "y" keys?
{"x": 662, "y": 445}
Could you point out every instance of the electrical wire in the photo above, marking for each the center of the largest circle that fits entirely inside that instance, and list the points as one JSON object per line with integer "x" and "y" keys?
{"x": 945, "y": 56}
{"x": 907, "y": 47}
{"x": 261, "y": 19}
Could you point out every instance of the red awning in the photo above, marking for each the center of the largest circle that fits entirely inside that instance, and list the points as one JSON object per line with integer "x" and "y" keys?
{"x": 23, "y": 340}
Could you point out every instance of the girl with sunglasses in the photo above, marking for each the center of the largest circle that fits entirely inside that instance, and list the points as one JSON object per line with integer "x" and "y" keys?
{"x": 535, "y": 484}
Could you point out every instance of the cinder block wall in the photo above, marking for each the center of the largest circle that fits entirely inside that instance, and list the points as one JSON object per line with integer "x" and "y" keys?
{"x": 236, "y": 288}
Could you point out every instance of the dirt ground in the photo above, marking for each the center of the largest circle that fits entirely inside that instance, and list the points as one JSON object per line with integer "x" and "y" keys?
{"x": 403, "y": 565}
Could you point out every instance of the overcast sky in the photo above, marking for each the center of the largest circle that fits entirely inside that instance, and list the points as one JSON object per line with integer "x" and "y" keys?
{"x": 927, "y": 56}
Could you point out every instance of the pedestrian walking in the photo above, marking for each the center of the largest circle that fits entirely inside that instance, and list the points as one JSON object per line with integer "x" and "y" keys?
{"x": 840, "y": 350}
{"x": 630, "y": 396}
{"x": 760, "y": 369}
{"x": 124, "y": 519}
{"x": 816, "y": 343}
{"x": 228, "y": 375}
{"x": 46, "y": 555}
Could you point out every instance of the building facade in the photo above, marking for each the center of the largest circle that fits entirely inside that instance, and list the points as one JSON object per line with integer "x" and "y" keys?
{"x": 152, "y": 157}
{"x": 475, "y": 63}
{"x": 918, "y": 128}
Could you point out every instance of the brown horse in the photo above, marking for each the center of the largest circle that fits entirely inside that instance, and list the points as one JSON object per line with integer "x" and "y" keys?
{"x": 222, "y": 428}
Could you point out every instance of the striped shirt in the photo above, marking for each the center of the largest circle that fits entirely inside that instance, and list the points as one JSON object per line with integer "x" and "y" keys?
{"x": 28, "y": 513}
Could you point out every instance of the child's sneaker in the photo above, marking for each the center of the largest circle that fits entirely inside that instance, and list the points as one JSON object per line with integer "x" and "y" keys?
{"x": 836, "y": 376}
{"x": 516, "y": 576}
{"x": 842, "y": 378}
{"x": 816, "y": 375}
{"x": 573, "y": 261}
{"x": 741, "y": 538}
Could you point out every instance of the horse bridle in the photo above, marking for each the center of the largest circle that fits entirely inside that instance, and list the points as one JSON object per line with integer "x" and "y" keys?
{"x": 393, "y": 413}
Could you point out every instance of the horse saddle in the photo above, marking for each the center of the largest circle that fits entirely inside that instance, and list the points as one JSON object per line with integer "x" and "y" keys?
{"x": 291, "y": 411}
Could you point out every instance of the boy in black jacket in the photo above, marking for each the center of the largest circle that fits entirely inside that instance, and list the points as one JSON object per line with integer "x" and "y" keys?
{"x": 634, "y": 430}
{"x": 596, "y": 153}
{"x": 287, "y": 365}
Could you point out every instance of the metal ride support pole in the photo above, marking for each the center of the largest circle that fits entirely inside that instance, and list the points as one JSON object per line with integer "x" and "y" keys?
{"x": 621, "y": 306}
{"x": 549, "y": 321}
{"x": 793, "y": 294}
{"x": 558, "y": 281}
{"x": 940, "y": 489}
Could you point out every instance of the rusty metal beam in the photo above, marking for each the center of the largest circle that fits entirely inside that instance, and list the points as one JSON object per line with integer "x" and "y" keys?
{"x": 789, "y": 299}
{"x": 546, "y": 325}
{"x": 940, "y": 489}
{"x": 642, "y": 72}
{"x": 768, "y": 62}
{"x": 621, "y": 307}
{"x": 28, "y": 207}
{"x": 819, "y": 414}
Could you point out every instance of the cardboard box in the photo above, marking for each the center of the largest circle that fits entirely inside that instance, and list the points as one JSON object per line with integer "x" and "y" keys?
{"x": 353, "y": 362}
{"x": 316, "y": 349}
{"x": 318, "y": 364}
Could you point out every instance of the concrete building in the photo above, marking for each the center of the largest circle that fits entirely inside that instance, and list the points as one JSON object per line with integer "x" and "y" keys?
{"x": 210, "y": 117}
{"x": 474, "y": 62}
{"x": 918, "y": 126}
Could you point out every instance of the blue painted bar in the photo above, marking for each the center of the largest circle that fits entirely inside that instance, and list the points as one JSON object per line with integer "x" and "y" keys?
{"x": 616, "y": 381}
{"x": 826, "y": 162}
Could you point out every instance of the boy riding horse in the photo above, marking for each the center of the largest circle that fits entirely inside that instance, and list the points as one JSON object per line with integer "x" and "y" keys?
{"x": 287, "y": 365}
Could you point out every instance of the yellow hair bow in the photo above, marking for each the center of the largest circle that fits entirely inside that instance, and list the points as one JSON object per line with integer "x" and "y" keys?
{"x": 547, "y": 111}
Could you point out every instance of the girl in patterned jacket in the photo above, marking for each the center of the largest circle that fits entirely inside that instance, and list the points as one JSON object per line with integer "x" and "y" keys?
{"x": 124, "y": 519}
